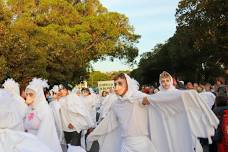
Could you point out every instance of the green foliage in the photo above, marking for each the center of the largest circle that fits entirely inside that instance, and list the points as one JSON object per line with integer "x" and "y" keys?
{"x": 57, "y": 39}
{"x": 198, "y": 51}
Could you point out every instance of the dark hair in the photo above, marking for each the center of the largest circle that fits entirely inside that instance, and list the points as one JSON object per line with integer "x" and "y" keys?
{"x": 221, "y": 101}
{"x": 221, "y": 80}
{"x": 86, "y": 89}
{"x": 119, "y": 76}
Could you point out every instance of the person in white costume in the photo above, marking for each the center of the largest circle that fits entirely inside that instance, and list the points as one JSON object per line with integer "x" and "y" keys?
{"x": 55, "y": 107}
{"x": 74, "y": 116}
{"x": 13, "y": 87}
{"x": 179, "y": 117}
{"x": 172, "y": 117}
{"x": 125, "y": 128}
{"x": 11, "y": 140}
{"x": 39, "y": 119}
{"x": 91, "y": 101}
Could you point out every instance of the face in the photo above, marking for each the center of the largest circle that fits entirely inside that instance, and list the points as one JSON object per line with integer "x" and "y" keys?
{"x": 120, "y": 86}
{"x": 63, "y": 92}
{"x": 85, "y": 93}
{"x": 30, "y": 97}
{"x": 55, "y": 96}
{"x": 166, "y": 82}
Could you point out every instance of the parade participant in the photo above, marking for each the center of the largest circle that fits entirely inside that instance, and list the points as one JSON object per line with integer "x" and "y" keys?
{"x": 55, "y": 107}
{"x": 179, "y": 113}
{"x": 11, "y": 140}
{"x": 125, "y": 128}
{"x": 39, "y": 119}
{"x": 13, "y": 87}
{"x": 73, "y": 115}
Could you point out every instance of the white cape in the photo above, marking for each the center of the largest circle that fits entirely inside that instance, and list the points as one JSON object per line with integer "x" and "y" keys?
{"x": 174, "y": 117}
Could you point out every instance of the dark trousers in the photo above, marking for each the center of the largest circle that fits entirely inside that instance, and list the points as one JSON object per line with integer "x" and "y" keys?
{"x": 73, "y": 138}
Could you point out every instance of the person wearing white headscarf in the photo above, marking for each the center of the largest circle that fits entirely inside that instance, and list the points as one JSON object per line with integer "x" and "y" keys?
{"x": 12, "y": 140}
{"x": 55, "y": 107}
{"x": 180, "y": 116}
{"x": 13, "y": 87}
{"x": 39, "y": 119}
{"x": 74, "y": 116}
{"x": 125, "y": 128}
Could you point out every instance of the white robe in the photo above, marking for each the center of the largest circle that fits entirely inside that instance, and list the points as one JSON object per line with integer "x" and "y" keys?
{"x": 73, "y": 111}
{"x": 180, "y": 117}
{"x": 55, "y": 107}
{"x": 106, "y": 105}
{"x": 39, "y": 119}
{"x": 208, "y": 98}
{"x": 15, "y": 141}
{"x": 125, "y": 127}
{"x": 174, "y": 117}
{"x": 91, "y": 103}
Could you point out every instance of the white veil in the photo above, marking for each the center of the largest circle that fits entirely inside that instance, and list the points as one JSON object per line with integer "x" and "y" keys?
{"x": 172, "y": 87}
{"x": 47, "y": 131}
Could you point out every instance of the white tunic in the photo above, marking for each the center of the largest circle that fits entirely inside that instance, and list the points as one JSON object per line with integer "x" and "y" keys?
{"x": 74, "y": 111}
{"x": 55, "y": 107}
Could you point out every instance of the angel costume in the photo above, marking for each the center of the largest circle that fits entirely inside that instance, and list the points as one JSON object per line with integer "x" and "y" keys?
{"x": 39, "y": 119}
{"x": 11, "y": 140}
{"x": 125, "y": 128}
{"x": 55, "y": 107}
{"x": 173, "y": 117}
{"x": 13, "y": 87}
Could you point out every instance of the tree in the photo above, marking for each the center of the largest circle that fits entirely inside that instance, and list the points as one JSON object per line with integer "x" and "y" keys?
{"x": 198, "y": 49}
{"x": 58, "y": 39}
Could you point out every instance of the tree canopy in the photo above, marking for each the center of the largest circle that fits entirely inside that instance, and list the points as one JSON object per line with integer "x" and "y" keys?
{"x": 57, "y": 39}
{"x": 198, "y": 51}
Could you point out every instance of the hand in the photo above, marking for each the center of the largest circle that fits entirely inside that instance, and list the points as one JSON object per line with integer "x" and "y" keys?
{"x": 70, "y": 126}
{"x": 145, "y": 101}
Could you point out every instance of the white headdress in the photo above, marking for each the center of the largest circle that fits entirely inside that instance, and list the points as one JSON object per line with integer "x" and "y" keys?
{"x": 12, "y": 86}
{"x": 9, "y": 113}
{"x": 171, "y": 82}
{"x": 55, "y": 89}
{"x": 132, "y": 84}
{"x": 37, "y": 85}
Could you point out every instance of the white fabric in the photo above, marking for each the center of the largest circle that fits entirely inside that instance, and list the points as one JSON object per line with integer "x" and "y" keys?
{"x": 126, "y": 126}
{"x": 13, "y": 87}
{"x": 137, "y": 144}
{"x": 174, "y": 117}
{"x": 41, "y": 112}
{"x": 73, "y": 111}
{"x": 11, "y": 116}
{"x": 91, "y": 103}
{"x": 106, "y": 104}
{"x": 55, "y": 107}
{"x": 13, "y": 141}
{"x": 181, "y": 117}
{"x": 208, "y": 98}
{"x": 75, "y": 149}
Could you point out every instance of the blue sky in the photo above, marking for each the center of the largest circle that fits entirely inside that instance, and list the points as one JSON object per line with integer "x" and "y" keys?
{"x": 154, "y": 20}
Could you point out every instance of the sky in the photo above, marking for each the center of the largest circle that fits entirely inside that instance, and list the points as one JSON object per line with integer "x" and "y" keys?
{"x": 154, "y": 20}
